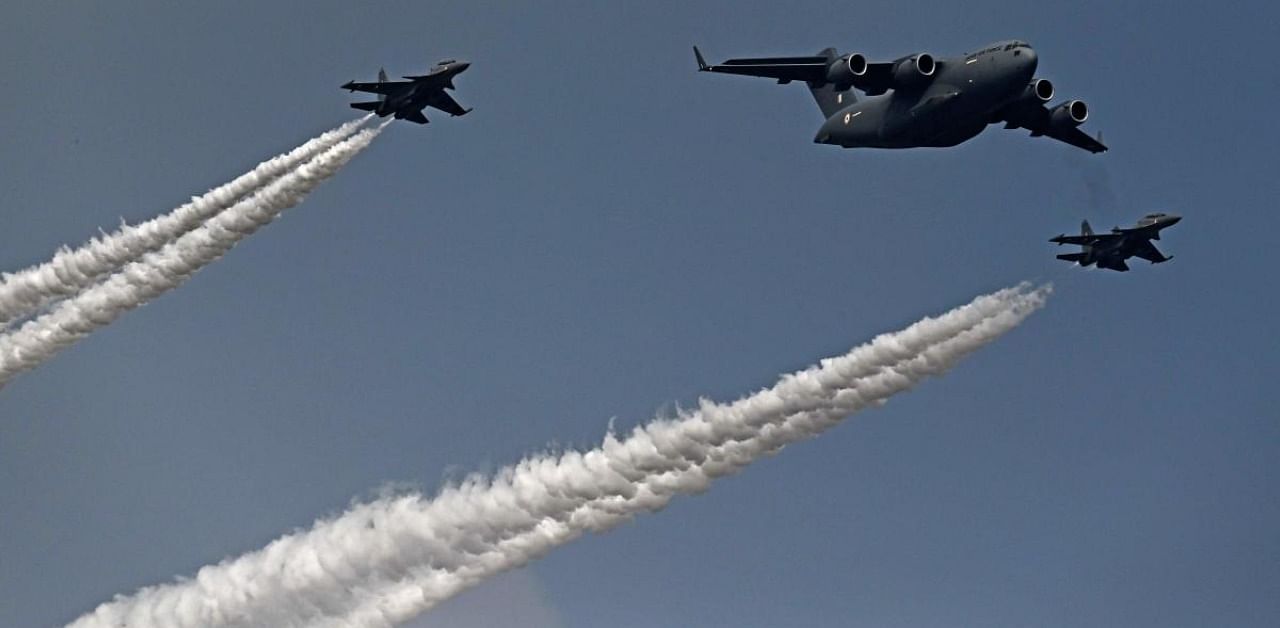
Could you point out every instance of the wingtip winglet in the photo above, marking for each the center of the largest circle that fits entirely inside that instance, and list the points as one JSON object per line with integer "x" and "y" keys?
{"x": 702, "y": 63}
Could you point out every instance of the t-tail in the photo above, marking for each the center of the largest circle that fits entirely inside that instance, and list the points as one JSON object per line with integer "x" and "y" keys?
{"x": 830, "y": 97}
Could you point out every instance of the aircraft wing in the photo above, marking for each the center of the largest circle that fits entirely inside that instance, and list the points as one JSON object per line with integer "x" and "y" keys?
{"x": 785, "y": 69}
{"x": 377, "y": 88}
{"x": 1075, "y": 137}
{"x": 1149, "y": 252}
{"x": 1084, "y": 239}
{"x": 444, "y": 102}
{"x": 1035, "y": 118}
{"x": 876, "y": 80}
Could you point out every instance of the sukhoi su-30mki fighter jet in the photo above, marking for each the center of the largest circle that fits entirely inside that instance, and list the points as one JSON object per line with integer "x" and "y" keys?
{"x": 919, "y": 100}
{"x": 1110, "y": 250}
{"x": 406, "y": 99}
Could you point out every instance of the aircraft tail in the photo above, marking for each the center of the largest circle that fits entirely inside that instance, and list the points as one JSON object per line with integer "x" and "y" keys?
{"x": 1085, "y": 229}
{"x": 830, "y": 99}
{"x": 382, "y": 78}
{"x": 367, "y": 106}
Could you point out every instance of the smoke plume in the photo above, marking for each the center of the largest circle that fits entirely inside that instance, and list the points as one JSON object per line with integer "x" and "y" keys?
{"x": 383, "y": 562}
{"x": 71, "y": 270}
{"x": 155, "y": 273}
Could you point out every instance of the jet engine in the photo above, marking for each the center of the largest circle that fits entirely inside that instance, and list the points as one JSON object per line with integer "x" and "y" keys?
{"x": 1039, "y": 89}
{"x": 914, "y": 71}
{"x": 846, "y": 70}
{"x": 1069, "y": 114}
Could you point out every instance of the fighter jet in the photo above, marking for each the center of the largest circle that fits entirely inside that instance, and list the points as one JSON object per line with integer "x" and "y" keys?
{"x": 406, "y": 99}
{"x": 919, "y": 100}
{"x": 1110, "y": 250}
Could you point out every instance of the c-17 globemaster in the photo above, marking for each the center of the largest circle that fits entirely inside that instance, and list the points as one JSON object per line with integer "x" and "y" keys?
{"x": 1110, "y": 250}
{"x": 406, "y": 99}
{"x": 919, "y": 100}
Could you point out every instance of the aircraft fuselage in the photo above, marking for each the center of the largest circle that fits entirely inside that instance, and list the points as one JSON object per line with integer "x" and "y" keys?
{"x": 957, "y": 104}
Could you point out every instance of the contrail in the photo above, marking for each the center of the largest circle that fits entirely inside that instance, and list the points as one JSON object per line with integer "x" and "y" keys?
{"x": 155, "y": 273}
{"x": 383, "y": 562}
{"x": 71, "y": 270}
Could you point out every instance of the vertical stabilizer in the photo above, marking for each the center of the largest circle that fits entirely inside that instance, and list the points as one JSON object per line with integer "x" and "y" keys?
{"x": 1085, "y": 229}
{"x": 382, "y": 78}
{"x": 829, "y": 98}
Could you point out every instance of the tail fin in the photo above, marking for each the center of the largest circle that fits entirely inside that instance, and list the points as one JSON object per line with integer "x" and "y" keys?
{"x": 1085, "y": 229}
{"x": 366, "y": 106}
{"x": 829, "y": 99}
{"x": 382, "y": 78}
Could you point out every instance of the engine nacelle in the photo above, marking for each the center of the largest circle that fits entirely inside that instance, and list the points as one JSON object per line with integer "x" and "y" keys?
{"x": 914, "y": 71}
{"x": 846, "y": 70}
{"x": 1038, "y": 90}
{"x": 1069, "y": 114}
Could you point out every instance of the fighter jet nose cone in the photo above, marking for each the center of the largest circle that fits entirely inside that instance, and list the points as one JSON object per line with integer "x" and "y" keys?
{"x": 462, "y": 67}
{"x": 1173, "y": 219}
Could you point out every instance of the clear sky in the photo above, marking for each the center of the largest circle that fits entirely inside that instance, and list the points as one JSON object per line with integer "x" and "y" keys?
{"x": 611, "y": 233}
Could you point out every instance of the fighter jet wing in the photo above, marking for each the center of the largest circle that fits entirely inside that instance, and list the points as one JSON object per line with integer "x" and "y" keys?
{"x": 444, "y": 102}
{"x": 377, "y": 88}
{"x": 1149, "y": 252}
{"x": 1084, "y": 239}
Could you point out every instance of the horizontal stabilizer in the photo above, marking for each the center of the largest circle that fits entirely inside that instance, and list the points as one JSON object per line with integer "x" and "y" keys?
{"x": 1072, "y": 257}
{"x": 366, "y": 106}
{"x": 412, "y": 116}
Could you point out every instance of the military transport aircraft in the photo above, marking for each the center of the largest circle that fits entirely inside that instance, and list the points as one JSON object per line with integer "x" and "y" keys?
{"x": 1110, "y": 250}
{"x": 406, "y": 99}
{"x": 919, "y": 100}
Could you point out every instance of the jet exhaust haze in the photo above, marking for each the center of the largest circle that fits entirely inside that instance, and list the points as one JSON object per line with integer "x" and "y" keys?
{"x": 386, "y": 561}
{"x": 157, "y": 272}
{"x": 27, "y": 291}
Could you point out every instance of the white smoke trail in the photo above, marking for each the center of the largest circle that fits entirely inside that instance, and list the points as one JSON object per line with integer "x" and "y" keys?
{"x": 383, "y": 562}
{"x": 156, "y": 273}
{"x": 72, "y": 270}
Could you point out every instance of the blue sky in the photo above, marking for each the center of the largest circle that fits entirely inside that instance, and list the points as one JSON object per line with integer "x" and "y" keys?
{"x": 611, "y": 233}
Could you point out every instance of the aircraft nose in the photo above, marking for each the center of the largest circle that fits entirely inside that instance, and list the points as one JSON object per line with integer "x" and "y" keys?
{"x": 1029, "y": 60}
{"x": 463, "y": 65}
{"x": 1172, "y": 219}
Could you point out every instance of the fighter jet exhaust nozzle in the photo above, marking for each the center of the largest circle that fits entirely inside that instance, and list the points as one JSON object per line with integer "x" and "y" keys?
{"x": 1069, "y": 114}
{"x": 914, "y": 71}
{"x": 846, "y": 70}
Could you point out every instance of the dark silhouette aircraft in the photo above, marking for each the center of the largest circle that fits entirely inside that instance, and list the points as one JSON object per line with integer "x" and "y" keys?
{"x": 1110, "y": 250}
{"x": 406, "y": 99}
{"x": 918, "y": 100}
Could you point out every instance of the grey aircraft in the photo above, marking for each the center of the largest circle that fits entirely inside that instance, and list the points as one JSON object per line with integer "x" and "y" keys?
{"x": 406, "y": 99}
{"x": 1110, "y": 250}
{"x": 919, "y": 100}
